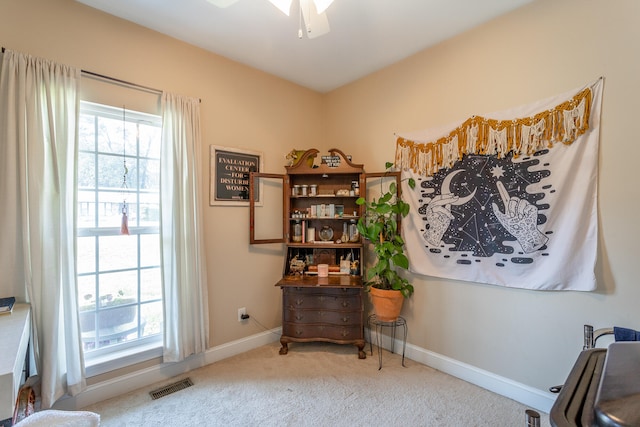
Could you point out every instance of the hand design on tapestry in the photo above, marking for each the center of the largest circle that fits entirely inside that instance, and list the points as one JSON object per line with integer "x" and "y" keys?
{"x": 438, "y": 211}
{"x": 520, "y": 220}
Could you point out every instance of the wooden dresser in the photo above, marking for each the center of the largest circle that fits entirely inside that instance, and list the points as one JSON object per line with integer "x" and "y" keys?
{"x": 331, "y": 312}
{"x": 319, "y": 215}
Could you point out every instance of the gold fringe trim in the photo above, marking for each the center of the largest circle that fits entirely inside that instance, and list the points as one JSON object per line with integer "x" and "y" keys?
{"x": 479, "y": 135}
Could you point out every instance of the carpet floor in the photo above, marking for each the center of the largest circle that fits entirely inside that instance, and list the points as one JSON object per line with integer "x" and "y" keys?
{"x": 316, "y": 384}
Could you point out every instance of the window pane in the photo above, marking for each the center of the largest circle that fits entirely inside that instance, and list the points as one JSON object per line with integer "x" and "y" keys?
{"x": 87, "y": 292}
{"x": 86, "y": 170}
{"x": 110, "y": 136}
{"x": 149, "y": 250}
{"x": 118, "y": 288}
{"x": 110, "y": 209}
{"x": 86, "y": 133}
{"x": 115, "y": 324}
{"x": 86, "y": 255}
{"x": 111, "y": 172}
{"x": 131, "y": 137}
{"x": 150, "y": 284}
{"x": 151, "y": 316}
{"x": 118, "y": 252}
{"x": 149, "y": 210}
{"x": 149, "y": 174}
{"x": 149, "y": 137}
{"x": 86, "y": 209}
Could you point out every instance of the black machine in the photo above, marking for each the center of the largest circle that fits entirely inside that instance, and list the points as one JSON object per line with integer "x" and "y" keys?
{"x": 603, "y": 387}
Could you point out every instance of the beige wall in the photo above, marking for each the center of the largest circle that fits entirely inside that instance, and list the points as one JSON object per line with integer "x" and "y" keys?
{"x": 545, "y": 48}
{"x": 241, "y": 107}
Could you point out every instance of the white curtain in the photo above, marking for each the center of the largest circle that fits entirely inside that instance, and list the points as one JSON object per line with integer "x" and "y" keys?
{"x": 38, "y": 138}
{"x": 184, "y": 276}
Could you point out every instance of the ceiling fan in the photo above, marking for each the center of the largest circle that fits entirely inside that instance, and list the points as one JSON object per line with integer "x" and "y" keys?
{"x": 311, "y": 11}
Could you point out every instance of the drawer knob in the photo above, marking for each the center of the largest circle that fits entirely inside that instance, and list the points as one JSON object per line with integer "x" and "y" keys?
{"x": 299, "y": 317}
{"x": 299, "y": 301}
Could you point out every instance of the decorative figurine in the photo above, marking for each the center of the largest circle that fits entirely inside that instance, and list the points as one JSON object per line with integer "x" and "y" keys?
{"x": 296, "y": 266}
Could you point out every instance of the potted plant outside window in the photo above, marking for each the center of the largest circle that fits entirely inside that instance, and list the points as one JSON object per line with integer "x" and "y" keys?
{"x": 379, "y": 225}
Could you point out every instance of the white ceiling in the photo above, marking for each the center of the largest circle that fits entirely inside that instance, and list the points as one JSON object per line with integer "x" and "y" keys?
{"x": 365, "y": 36}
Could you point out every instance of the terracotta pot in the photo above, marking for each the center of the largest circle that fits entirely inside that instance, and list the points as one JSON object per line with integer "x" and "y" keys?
{"x": 387, "y": 304}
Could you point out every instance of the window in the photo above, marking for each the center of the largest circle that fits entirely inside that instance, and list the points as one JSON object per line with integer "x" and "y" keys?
{"x": 119, "y": 276}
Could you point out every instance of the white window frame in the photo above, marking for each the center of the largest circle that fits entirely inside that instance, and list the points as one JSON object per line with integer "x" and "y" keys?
{"x": 124, "y": 354}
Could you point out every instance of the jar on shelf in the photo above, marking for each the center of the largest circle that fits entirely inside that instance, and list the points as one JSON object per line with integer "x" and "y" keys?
{"x": 354, "y": 234}
{"x": 313, "y": 190}
{"x": 295, "y": 190}
{"x": 304, "y": 190}
{"x": 296, "y": 232}
{"x": 326, "y": 233}
{"x": 355, "y": 187}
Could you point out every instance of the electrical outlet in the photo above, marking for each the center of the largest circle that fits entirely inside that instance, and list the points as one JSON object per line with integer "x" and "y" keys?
{"x": 241, "y": 311}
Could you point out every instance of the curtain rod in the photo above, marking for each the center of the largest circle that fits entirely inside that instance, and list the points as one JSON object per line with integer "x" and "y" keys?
{"x": 123, "y": 82}
{"x": 113, "y": 79}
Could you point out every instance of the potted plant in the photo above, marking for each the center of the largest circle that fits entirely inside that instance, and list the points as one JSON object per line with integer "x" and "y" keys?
{"x": 379, "y": 225}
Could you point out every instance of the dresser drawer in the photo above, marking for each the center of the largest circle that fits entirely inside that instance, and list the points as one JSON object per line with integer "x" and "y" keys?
{"x": 295, "y": 301}
{"x": 316, "y": 331}
{"x": 353, "y": 317}
{"x": 322, "y": 291}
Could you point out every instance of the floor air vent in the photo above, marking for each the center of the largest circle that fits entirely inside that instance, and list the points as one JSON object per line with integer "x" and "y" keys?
{"x": 171, "y": 388}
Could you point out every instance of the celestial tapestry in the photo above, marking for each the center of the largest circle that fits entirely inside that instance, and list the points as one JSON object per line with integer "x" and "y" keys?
{"x": 509, "y": 200}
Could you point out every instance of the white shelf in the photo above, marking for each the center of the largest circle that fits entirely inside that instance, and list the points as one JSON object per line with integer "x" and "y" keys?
{"x": 14, "y": 330}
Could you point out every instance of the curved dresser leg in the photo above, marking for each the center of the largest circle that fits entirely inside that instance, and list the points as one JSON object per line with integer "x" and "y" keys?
{"x": 361, "y": 353}
{"x": 285, "y": 347}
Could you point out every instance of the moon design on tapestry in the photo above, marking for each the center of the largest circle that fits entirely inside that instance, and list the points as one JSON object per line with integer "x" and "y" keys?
{"x": 446, "y": 188}
{"x": 485, "y": 205}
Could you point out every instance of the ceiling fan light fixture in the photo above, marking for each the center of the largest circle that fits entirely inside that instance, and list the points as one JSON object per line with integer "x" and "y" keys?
{"x": 322, "y": 5}
{"x": 222, "y": 3}
{"x": 283, "y": 5}
{"x": 315, "y": 24}
{"x": 308, "y": 11}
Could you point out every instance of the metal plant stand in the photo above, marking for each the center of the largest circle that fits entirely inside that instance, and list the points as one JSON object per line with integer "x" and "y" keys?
{"x": 379, "y": 324}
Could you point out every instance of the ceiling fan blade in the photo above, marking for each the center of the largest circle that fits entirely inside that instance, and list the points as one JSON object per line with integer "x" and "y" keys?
{"x": 283, "y": 5}
{"x": 315, "y": 24}
{"x": 222, "y": 3}
{"x": 322, "y": 5}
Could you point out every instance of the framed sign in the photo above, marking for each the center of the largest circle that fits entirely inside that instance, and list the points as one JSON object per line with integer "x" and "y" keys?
{"x": 229, "y": 175}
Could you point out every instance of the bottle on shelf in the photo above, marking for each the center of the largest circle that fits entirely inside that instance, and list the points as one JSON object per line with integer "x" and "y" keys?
{"x": 354, "y": 234}
{"x": 355, "y": 187}
{"x": 345, "y": 233}
{"x": 296, "y": 235}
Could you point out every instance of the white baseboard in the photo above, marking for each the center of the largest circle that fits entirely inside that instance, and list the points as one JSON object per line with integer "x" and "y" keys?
{"x": 528, "y": 396}
{"x": 531, "y": 397}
